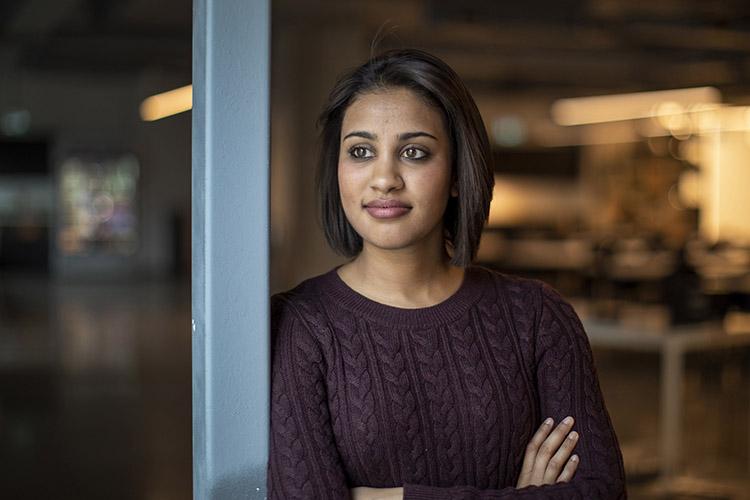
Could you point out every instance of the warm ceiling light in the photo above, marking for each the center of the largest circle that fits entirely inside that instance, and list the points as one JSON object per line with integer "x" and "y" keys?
{"x": 167, "y": 103}
{"x": 616, "y": 107}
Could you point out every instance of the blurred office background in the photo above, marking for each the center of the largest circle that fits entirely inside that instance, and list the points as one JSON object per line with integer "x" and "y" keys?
{"x": 633, "y": 204}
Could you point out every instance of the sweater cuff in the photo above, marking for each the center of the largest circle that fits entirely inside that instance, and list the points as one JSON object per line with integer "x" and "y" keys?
{"x": 422, "y": 492}
{"x": 418, "y": 492}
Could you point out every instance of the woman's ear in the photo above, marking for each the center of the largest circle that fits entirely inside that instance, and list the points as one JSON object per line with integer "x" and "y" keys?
{"x": 454, "y": 189}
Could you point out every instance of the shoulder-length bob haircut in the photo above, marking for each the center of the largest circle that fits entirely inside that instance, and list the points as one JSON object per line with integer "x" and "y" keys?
{"x": 472, "y": 169}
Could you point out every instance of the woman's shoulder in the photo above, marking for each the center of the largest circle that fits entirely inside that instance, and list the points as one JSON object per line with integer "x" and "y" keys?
{"x": 303, "y": 301}
{"x": 526, "y": 298}
{"x": 538, "y": 311}
{"x": 514, "y": 288}
{"x": 524, "y": 291}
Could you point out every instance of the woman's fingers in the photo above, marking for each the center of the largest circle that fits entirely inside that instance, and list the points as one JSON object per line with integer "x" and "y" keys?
{"x": 367, "y": 493}
{"x": 531, "y": 450}
{"x": 547, "y": 458}
{"x": 548, "y": 448}
{"x": 569, "y": 470}
{"x": 546, "y": 445}
{"x": 559, "y": 460}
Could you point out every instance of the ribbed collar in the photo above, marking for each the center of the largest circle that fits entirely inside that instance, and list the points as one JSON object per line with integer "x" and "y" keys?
{"x": 452, "y": 308}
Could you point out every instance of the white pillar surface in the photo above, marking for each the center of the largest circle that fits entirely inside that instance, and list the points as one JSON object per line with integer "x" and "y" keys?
{"x": 231, "y": 50}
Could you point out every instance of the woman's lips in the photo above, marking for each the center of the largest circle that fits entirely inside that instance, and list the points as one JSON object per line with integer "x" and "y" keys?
{"x": 387, "y": 213}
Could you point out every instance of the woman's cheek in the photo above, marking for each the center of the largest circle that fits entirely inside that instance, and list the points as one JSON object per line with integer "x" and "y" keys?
{"x": 347, "y": 187}
{"x": 436, "y": 177}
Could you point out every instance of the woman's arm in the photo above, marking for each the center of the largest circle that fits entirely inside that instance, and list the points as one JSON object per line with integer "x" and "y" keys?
{"x": 303, "y": 461}
{"x": 567, "y": 385}
{"x": 547, "y": 460}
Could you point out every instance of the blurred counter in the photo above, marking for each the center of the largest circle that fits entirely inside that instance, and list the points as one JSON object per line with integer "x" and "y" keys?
{"x": 672, "y": 343}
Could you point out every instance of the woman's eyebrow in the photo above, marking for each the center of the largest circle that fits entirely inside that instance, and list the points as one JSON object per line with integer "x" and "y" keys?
{"x": 360, "y": 133}
{"x": 418, "y": 133}
{"x": 401, "y": 137}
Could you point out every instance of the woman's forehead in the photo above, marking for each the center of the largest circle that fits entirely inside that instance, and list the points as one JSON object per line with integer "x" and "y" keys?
{"x": 393, "y": 109}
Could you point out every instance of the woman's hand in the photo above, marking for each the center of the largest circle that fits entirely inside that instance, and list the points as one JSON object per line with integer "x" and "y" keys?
{"x": 364, "y": 493}
{"x": 547, "y": 459}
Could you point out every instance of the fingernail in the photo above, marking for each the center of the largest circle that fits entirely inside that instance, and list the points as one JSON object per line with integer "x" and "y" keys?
{"x": 568, "y": 420}
{"x": 548, "y": 421}
{"x": 574, "y": 458}
{"x": 573, "y": 435}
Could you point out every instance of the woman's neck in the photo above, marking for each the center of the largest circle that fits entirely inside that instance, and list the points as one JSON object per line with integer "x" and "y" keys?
{"x": 402, "y": 278}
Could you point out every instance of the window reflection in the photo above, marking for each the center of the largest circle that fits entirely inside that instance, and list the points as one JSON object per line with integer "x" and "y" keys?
{"x": 98, "y": 206}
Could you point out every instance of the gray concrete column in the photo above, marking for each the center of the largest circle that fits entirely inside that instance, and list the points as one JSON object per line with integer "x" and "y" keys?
{"x": 230, "y": 247}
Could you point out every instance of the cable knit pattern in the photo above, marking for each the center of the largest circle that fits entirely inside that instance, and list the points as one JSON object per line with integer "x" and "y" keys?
{"x": 441, "y": 400}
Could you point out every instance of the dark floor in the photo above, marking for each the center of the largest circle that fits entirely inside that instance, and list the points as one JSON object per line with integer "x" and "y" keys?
{"x": 95, "y": 399}
{"x": 94, "y": 391}
{"x": 716, "y": 443}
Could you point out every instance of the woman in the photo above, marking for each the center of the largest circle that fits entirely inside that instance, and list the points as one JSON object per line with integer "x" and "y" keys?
{"x": 409, "y": 372}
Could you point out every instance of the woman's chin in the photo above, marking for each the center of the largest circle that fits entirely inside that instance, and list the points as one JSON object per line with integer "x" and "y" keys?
{"x": 389, "y": 241}
{"x": 395, "y": 238}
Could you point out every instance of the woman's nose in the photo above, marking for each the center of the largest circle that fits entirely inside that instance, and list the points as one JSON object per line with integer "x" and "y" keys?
{"x": 386, "y": 176}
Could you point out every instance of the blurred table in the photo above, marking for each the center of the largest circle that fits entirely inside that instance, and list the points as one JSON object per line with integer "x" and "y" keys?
{"x": 672, "y": 343}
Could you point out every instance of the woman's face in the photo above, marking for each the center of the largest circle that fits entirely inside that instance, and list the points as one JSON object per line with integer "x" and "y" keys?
{"x": 395, "y": 147}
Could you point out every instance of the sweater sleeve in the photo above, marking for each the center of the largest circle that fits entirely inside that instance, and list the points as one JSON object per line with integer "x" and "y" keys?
{"x": 567, "y": 384}
{"x": 303, "y": 461}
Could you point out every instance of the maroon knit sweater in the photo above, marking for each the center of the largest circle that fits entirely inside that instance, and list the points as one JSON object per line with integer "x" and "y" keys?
{"x": 441, "y": 400}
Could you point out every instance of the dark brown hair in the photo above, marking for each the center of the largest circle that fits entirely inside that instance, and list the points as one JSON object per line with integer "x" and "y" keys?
{"x": 440, "y": 86}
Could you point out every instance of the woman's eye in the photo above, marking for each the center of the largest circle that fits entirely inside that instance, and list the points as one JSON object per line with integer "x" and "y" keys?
{"x": 414, "y": 153}
{"x": 359, "y": 152}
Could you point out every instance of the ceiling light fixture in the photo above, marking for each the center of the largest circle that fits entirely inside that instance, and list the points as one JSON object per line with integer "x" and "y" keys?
{"x": 633, "y": 106}
{"x": 167, "y": 104}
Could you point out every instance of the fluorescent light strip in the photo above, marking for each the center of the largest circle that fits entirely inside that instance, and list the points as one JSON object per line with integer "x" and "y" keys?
{"x": 617, "y": 107}
{"x": 167, "y": 104}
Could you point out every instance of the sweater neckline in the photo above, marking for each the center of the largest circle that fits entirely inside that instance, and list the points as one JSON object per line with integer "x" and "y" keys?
{"x": 450, "y": 309}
